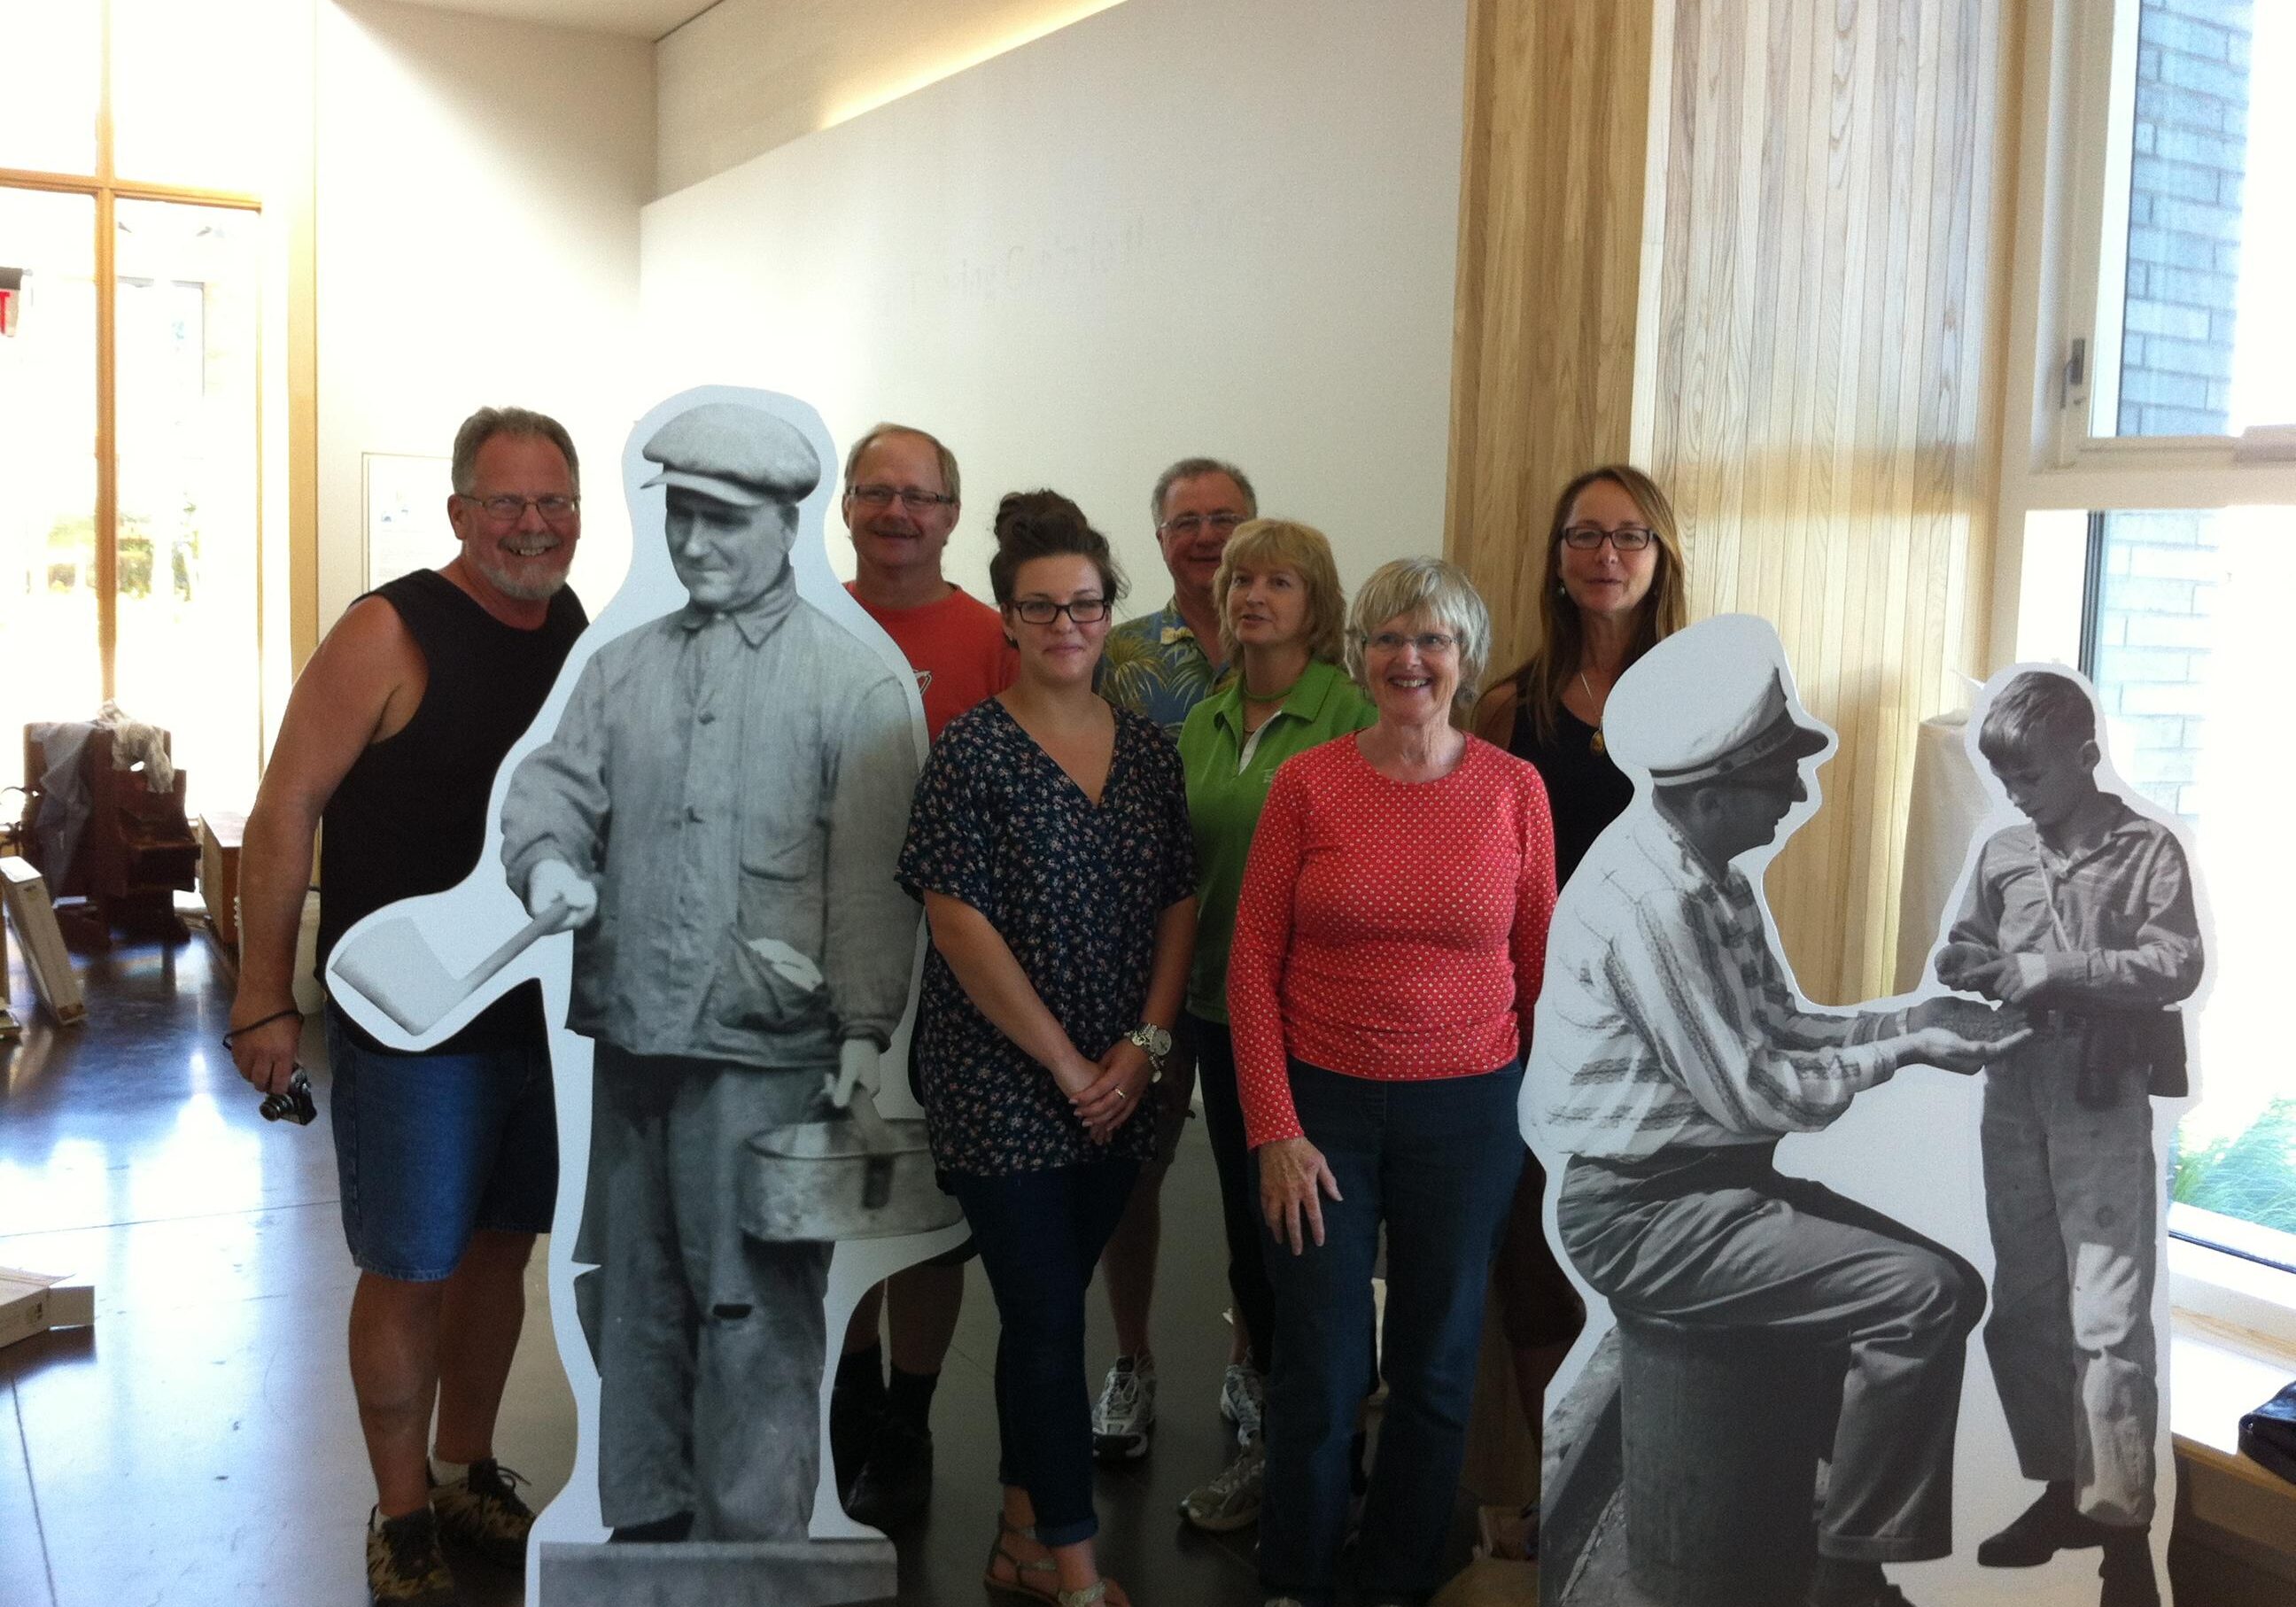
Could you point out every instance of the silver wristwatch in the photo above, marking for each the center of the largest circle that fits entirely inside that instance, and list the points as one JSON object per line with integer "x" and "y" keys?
{"x": 1154, "y": 1042}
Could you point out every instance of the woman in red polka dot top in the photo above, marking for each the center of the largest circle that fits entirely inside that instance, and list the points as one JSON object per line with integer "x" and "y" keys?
{"x": 1388, "y": 948}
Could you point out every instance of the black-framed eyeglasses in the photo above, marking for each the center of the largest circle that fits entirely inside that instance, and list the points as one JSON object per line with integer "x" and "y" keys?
{"x": 1429, "y": 643}
{"x": 1044, "y": 610}
{"x": 508, "y": 510}
{"x": 909, "y": 497}
{"x": 1588, "y": 537}
{"x": 1193, "y": 525}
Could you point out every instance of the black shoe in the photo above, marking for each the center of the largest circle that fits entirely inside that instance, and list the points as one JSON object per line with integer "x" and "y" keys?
{"x": 662, "y": 1531}
{"x": 2043, "y": 1530}
{"x": 855, "y": 1412}
{"x": 896, "y": 1482}
{"x": 2127, "y": 1571}
{"x": 1839, "y": 1583}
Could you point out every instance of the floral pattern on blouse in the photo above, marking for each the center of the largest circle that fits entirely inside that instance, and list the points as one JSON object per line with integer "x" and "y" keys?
{"x": 1075, "y": 890}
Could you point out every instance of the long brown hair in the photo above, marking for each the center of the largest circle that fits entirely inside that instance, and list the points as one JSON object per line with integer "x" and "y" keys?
{"x": 1540, "y": 679}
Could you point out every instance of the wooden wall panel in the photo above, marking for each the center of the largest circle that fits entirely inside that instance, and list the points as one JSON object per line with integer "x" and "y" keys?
{"x": 1830, "y": 285}
{"x": 1550, "y": 251}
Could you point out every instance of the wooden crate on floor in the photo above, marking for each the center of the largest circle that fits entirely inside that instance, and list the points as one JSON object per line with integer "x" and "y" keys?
{"x": 219, "y": 835}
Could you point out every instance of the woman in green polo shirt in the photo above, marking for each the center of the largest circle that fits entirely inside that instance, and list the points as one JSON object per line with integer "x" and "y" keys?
{"x": 1281, "y": 613}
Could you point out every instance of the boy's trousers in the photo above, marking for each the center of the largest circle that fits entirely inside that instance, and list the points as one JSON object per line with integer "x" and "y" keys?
{"x": 2073, "y": 1200}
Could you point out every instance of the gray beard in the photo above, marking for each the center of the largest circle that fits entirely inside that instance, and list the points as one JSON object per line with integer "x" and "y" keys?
{"x": 524, "y": 590}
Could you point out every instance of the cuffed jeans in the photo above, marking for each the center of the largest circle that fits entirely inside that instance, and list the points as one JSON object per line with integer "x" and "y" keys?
{"x": 1719, "y": 1237}
{"x": 2072, "y": 1201}
{"x": 1040, "y": 1235}
{"x": 1436, "y": 1161}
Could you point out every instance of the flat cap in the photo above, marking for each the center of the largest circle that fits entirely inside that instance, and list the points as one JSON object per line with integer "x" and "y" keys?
{"x": 737, "y": 454}
{"x": 1707, "y": 701}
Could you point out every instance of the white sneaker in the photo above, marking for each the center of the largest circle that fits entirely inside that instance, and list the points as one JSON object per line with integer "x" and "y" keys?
{"x": 1231, "y": 1499}
{"x": 1126, "y": 1410}
{"x": 1244, "y": 1399}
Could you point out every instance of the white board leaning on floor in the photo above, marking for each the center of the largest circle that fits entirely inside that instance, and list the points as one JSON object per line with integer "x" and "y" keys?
{"x": 431, "y": 963}
{"x": 1802, "y": 1238}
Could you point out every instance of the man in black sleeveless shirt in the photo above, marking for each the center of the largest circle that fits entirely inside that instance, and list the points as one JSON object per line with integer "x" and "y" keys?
{"x": 447, "y": 1160}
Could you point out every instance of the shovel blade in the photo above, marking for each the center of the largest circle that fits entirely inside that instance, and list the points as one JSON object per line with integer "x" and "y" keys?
{"x": 395, "y": 970}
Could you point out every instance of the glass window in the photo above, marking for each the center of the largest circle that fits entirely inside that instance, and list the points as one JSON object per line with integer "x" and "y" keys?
{"x": 50, "y": 68}
{"x": 2207, "y": 330}
{"x": 184, "y": 344}
{"x": 47, "y": 495}
{"x": 2192, "y": 664}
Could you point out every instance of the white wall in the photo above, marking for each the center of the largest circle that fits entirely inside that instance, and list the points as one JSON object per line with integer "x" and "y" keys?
{"x": 478, "y": 187}
{"x": 1224, "y": 226}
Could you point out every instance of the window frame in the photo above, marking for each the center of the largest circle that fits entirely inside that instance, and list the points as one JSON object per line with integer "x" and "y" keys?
{"x": 108, "y": 189}
{"x": 2071, "y": 224}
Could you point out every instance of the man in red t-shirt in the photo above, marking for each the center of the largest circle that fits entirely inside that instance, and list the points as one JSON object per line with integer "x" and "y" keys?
{"x": 900, "y": 504}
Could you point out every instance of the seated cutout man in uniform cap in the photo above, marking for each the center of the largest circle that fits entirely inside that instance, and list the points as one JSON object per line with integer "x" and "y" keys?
{"x": 717, "y": 817}
{"x": 1671, "y": 1054}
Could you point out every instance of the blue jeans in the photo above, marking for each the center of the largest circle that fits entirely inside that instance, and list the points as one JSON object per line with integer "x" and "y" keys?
{"x": 1436, "y": 1161}
{"x": 1040, "y": 1235}
{"x": 431, "y": 1148}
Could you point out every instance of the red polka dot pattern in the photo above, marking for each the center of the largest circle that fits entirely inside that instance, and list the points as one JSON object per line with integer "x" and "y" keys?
{"x": 1388, "y": 929}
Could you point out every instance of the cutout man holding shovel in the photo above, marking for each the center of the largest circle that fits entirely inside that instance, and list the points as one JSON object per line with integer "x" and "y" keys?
{"x": 717, "y": 818}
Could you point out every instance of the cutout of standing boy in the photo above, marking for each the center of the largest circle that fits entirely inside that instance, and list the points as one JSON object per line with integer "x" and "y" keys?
{"x": 2085, "y": 915}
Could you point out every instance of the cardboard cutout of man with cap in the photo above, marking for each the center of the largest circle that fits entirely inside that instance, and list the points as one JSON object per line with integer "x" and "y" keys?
{"x": 1671, "y": 1054}
{"x": 715, "y": 818}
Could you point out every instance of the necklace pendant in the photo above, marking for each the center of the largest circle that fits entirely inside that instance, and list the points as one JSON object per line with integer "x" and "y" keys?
{"x": 1597, "y": 743}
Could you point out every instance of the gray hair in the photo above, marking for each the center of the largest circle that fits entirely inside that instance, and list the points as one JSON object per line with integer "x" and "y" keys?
{"x": 1430, "y": 586}
{"x": 489, "y": 423}
{"x": 878, "y": 433}
{"x": 1189, "y": 468}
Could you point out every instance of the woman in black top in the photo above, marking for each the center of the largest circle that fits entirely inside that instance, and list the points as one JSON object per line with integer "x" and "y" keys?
{"x": 1050, "y": 843}
{"x": 1613, "y": 585}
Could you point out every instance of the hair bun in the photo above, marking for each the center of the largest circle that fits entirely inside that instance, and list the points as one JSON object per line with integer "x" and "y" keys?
{"x": 1028, "y": 520}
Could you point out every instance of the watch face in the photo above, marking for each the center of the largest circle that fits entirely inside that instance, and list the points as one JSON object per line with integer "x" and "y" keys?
{"x": 1154, "y": 1039}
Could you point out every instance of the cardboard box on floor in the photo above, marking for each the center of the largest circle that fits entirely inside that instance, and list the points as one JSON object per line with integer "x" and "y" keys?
{"x": 33, "y": 1302}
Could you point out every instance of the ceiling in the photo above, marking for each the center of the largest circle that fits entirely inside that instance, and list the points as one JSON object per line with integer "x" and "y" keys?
{"x": 634, "y": 19}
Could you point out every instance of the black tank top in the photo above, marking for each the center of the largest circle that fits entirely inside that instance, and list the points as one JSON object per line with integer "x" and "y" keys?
{"x": 1585, "y": 790}
{"x": 410, "y": 816}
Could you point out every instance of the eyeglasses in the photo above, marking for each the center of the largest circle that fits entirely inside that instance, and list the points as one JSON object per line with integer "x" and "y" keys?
{"x": 1193, "y": 525}
{"x": 910, "y": 497}
{"x": 1588, "y": 537}
{"x": 1043, "y": 610}
{"x": 1428, "y": 642}
{"x": 507, "y": 510}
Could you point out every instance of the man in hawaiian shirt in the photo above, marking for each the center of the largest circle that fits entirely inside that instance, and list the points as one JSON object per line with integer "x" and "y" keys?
{"x": 1161, "y": 665}
{"x": 1164, "y": 664}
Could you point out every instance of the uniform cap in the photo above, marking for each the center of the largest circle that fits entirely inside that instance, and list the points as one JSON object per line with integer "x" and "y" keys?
{"x": 1707, "y": 701}
{"x": 740, "y": 455}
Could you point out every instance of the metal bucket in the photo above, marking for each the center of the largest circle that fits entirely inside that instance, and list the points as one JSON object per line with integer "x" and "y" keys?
{"x": 866, "y": 1178}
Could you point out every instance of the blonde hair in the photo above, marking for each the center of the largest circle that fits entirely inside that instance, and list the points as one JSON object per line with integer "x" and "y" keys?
{"x": 1430, "y": 586}
{"x": 1267, "y": 542}
{"x": 1540, "y": 679}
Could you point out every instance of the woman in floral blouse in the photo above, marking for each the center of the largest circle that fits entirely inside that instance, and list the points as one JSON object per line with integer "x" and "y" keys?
{"x": 1050, "y": 845}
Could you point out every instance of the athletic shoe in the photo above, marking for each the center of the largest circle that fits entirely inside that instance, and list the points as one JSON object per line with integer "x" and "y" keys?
{"x": 1231, "y": 1500}
{"x": 1126, "y": 1410}
{"x": 481, "y": 1511}
{"x": 404, "y": 1567}
{"x": 1244, "y": 1399}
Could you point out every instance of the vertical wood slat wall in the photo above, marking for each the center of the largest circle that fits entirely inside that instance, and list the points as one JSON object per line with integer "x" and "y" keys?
{"x": 1821, "y": 363}
{"x": 1550, "y": 251}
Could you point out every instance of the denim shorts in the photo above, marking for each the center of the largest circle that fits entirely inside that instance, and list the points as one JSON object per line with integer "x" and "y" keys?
{"x": 432, "y": 1148}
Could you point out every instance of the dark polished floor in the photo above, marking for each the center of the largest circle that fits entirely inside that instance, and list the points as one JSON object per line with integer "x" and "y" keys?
{"x": 198, "y": 1444}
